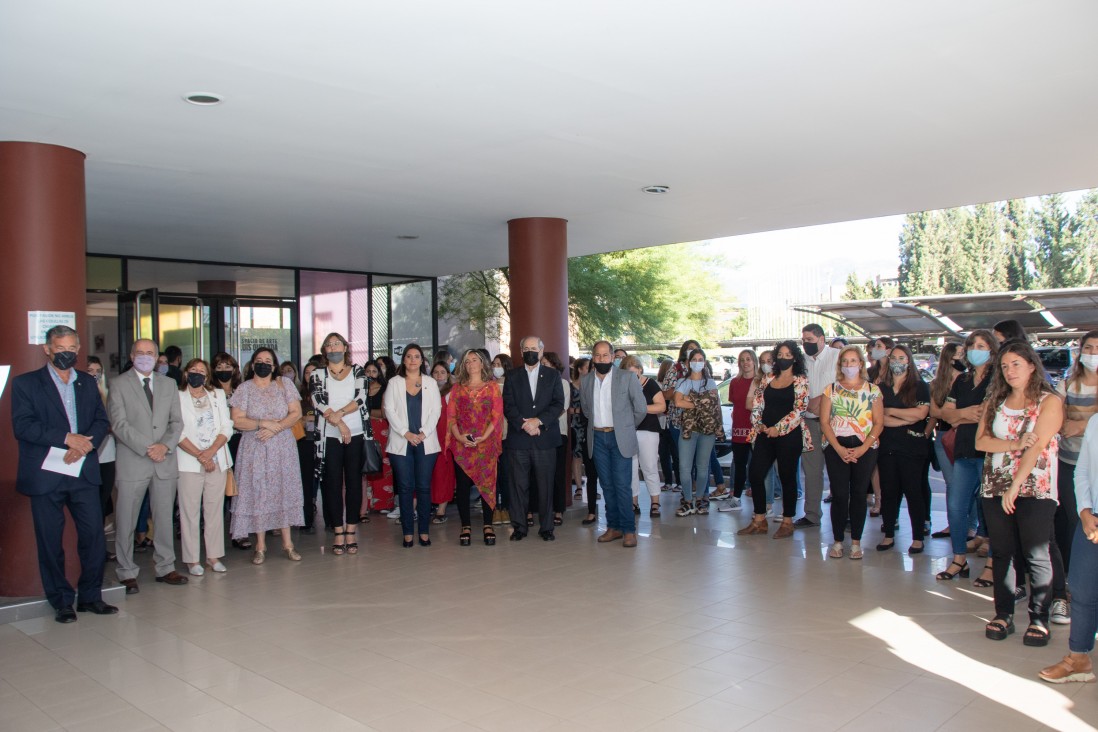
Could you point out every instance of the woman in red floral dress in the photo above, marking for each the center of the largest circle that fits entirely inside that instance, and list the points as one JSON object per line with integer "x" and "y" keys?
{"x": 474, "y": 417}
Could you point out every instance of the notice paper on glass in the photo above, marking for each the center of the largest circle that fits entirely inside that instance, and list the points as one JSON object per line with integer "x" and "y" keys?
{"x": 55, "y": 463}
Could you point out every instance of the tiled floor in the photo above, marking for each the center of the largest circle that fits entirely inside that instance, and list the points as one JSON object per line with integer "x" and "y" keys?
{"x": 696, "y": 629}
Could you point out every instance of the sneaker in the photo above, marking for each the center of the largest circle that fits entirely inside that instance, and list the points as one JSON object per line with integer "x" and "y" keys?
{"x": 771, "y": 513}
{"x": 1069, "y": 669}
{"x": 804, "y": 523}
{"x": 676, "y": 488}
{"x": 686, "y": 509}
{"x": 1060, "y": 612}
{"x": 394, "y": 514}
{"x": 505, "y": 517}
{"x": 732, "y": 504}
{"x": 836, "y": 550}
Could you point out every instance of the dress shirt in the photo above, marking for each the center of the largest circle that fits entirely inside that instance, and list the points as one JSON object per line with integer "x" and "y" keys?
{"x": 532, "y": 374}
{"x": 603, "y": 412}
{"x": 821, "y": 372}
{"x": 67, "y": 392}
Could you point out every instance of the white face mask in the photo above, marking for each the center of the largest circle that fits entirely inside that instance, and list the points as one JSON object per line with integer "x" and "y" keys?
{"x": 497, "y": 371}
{"x": 1089, "y": 361}
{"x": 767, "y": 368}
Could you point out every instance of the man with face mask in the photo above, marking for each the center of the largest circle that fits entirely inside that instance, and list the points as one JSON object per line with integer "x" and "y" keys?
{"x": 58, "y": 409}
{"x": 821, "y": 362}
{"x": 146, "y": 421}
{"x": 533, "y": 400}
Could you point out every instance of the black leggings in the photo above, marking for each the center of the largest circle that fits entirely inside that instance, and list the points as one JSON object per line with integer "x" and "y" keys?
{"x": 1028, "y": 530}
{"x": 342, "y": 464}
{"x": 669, "y": 458}
{"x": 902, "y": 477}
{"x": 848, "y": 485}
{"x": 786, "y": 450}
{"x": 464, "y": 493}
{"x": 741, "y": 456}
{"x": 564, "y": 477}
{"x": 592, "y": 483}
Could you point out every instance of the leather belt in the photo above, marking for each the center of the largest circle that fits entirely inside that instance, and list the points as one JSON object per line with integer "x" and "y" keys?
{"x": 603, "y": 429}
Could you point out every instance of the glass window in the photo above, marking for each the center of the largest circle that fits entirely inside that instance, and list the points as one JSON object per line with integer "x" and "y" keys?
{"x": 104, "y": 273}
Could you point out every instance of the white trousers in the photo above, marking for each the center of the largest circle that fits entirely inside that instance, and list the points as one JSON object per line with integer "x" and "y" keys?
{"x": 648, "y": 460}
{"x": 203, "y": 492}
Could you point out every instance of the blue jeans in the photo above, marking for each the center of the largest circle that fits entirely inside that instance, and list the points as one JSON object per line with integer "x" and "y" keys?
{"x": 960, "y": 495}
{"x": 714, "y": 465}
{"x": 412, "y": 475}
{"x": 615, "y": 476}
{"x": 1083, "y": 577}
{"x": 695, "y": 452}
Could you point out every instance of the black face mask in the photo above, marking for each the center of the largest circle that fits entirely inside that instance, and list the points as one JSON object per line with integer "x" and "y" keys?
{"x": 263, "y": 370}
{"x": 811, "y": 348}
{"x": 223, "y": 376}
{"x": 782, "y": 364}
{"x": 530, "y": 358}
{"x": 64, "y": 360}
{"x": 602, "y": 368}
{"x": 196, "y": 380}
{"x": 959, "y": 365}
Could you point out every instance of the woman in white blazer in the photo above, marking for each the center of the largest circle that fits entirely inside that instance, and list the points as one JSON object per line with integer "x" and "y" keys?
{"x": 203, "y": 463}
{"x": 412, "y": 405}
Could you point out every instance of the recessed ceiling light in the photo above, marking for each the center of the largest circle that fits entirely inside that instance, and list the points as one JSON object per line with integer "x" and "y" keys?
{"x": 407, "y": 237}
{"x": 203, "y": 99}
{"x": 656, "y": 190}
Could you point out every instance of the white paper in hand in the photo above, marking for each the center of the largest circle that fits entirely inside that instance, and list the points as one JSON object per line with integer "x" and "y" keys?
{"x": 55, "y": 463}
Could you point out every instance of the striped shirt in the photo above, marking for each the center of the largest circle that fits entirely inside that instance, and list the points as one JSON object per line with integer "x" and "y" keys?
{"x": 1080, "y": 403}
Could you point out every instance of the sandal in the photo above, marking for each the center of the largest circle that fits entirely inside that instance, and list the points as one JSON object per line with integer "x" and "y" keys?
{"x": 364, "y": 519}
{"x": 962, "y": 570}
{"x": 999, "y": 628}
{"x": 702, "y": 507}
{"x": 439, "y": 519}
{"x": 981, "y": 581}
{"x": 489, "y": 536}
{"x": 856, "y": 551}
{"x": 351, "y": 546}
{"x": 242, "y": 543}
{"x": 529, "y": 519}
{"x": 1036, "y": 634}
{"x": 465, "y": 538}
{"x": 338, "y": 549}
{"x": 654, "y": 511}
{"x": 578, "y": 494}
{"x": 557, "y": 519}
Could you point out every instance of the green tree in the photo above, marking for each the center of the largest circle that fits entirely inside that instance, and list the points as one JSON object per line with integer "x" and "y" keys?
{"x": 979, "y": 259}
{"x": 1085, "y": 241}
{"x": 480, "y": 298}
{"x": 1021, "y": 266}
{"x": 1055, "y": 239}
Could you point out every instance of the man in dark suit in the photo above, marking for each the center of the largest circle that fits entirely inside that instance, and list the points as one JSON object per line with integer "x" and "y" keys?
{"x": 57, "y": 408}
{"x": 533, "y": 399}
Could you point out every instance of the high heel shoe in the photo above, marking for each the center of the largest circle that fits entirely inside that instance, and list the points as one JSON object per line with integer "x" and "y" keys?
{"x": 408, "y": 543}
{"x": 489, "y": 536}
{"x": 980, "y": 581}
{"x": 962, "y": 571}
{"x": 338, "y": 549}
{"x": 465, "y": 538}
{"x": 424, "y": 542}
{"x": 351, "y": 546}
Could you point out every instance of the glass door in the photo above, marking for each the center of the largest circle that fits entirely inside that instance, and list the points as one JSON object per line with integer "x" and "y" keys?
{"x": 185, "y": 322}
{"x": 250, "y": 324}
{"x": 138, "y": 317}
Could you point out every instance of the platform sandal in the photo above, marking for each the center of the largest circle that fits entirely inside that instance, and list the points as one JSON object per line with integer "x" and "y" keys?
{"x": 465, "y": 538}
{"x": 489, "y": 536}
{"x": 999, "y": 627}
{"x": 338, "y": 549}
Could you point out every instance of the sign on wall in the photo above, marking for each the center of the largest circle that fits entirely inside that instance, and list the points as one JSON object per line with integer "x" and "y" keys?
{"x": 39, "y": 321}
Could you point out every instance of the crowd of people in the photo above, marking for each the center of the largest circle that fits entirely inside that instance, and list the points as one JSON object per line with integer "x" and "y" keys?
{"x": 258, "y": 444}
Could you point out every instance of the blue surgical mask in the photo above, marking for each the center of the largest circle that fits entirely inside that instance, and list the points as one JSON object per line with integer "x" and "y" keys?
{"x": 697, "y": 366}
{"x": 977, "y": 357}
{"x": 897, "y": 367}
{"x": 452, "y": 366}
{"x": 617, "y": 363}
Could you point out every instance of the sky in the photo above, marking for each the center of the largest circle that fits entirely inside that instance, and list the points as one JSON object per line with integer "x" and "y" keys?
{"x": 873, "y": 244}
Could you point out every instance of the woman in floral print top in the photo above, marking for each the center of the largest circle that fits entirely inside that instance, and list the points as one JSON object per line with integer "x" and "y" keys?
{"x": 1018, "y": 433}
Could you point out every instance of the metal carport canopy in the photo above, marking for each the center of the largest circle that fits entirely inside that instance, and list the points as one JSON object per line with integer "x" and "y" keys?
{"x": 1051, "y": 313}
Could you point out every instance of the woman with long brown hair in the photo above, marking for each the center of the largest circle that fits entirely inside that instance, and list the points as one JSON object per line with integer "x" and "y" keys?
{"x": 1019, "y": 432}
{"x": 950, "y": 366}
{"x": 904, "y": 447}
{"x": 474, "y": 419}
{"x": 442, "y": 477}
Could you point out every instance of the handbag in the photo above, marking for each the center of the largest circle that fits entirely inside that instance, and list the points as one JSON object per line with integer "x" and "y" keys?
{"x": 371, "y": 453}
{"x": 949, "y": 443}
{"x": 230, "y": 483}
{"x": 298, "y": 429}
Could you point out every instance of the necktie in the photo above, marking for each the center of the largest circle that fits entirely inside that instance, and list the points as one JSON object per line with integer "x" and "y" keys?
{"x": 148, "y": 391}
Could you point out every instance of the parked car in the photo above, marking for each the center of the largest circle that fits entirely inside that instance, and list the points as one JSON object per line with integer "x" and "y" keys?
{"x": 723, "y": 367}
{"x": 1057, "y": 362}
{"x": 652, "y": 361}
{"x": 724, "y": 447}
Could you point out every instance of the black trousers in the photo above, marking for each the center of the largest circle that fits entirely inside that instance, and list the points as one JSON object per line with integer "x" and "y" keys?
{"x": 306, "y": 458}
{"x": 669, "y": 458}
{"x": 465, "y": 489}
{"x": 48, "y": 514}
{"x": 106, "y": 487}
{"x": 503, "y": 481}
{"x": 342, "y": 464}
{"x": 542, "y": 464}
{"x": 848, "y": 486}
{"x": 1028, "y": 528}
{"x": 592, "y": 474}
{"x": 786, "y": 451}
{"x": 1063, "y": 529}
{"x": 563, "y": 476}
{"x": 741, "y": 457}
{"x": 902, "y": 478}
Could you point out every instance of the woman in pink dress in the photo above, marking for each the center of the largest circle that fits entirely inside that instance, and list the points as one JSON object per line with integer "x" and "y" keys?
{"x": 474, "y": 418}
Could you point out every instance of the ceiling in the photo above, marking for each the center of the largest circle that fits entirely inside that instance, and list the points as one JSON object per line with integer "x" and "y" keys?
{"x": 348, "y": 124}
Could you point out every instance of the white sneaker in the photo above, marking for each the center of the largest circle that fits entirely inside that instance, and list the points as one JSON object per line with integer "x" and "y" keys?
{"x": 1060, "y": 612}
{"x": 730, "y": 505}
{"x": 770, "y": 514}
{"x": 394, "y": 514}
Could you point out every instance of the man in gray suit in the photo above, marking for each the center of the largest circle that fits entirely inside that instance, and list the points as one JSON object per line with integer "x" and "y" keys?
{"x": 146, "y": 422}
{"x": 614, "y": 405}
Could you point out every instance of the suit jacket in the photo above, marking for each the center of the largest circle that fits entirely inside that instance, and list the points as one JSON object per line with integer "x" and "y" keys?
{"x": 627, "y": 405}
{"x": 136, "y": 427}
{"x": 39, "y": 422}
{"x": 520, "y": 404}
